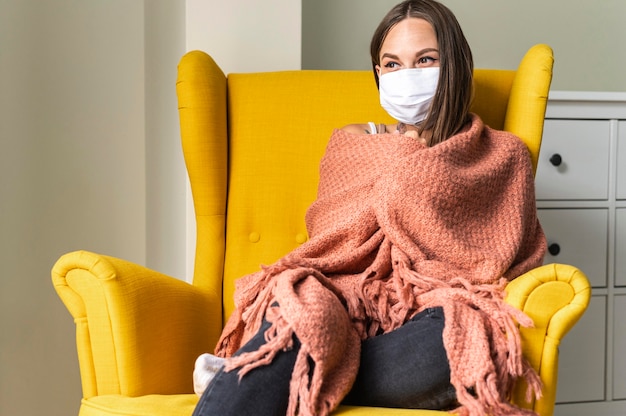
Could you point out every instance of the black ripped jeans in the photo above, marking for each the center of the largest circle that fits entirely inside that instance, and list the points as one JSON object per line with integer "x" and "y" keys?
{"x": 406, "y": 368}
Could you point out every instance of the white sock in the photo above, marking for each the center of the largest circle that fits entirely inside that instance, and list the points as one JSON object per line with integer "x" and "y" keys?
{"x": 207, "y": 365}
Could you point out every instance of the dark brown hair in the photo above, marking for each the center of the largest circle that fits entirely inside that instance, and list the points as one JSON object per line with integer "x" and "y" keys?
{"x": 450, "y": 107}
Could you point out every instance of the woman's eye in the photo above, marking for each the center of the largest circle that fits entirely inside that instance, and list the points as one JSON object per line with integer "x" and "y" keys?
{"x": 391, "y": 65}
{"x": 426, "y": 60}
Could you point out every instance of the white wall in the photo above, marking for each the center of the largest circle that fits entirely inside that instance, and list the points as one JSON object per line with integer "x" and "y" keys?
{"x": 246, "y": 35}
{"x": 72, "y": 175}
{"x": 166, "y": 177}
{"x": 587, "y": 37}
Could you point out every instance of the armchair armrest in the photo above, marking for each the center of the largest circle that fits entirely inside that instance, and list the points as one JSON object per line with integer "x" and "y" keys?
{"x": 554, "y": 296}
{"x": 137, "y": 331}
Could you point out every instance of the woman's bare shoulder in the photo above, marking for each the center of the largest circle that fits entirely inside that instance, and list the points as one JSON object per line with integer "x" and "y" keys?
{"x": 357, "y": 129}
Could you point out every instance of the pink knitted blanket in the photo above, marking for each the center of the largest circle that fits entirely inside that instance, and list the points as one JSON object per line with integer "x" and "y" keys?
{"x": 398, "y": 227}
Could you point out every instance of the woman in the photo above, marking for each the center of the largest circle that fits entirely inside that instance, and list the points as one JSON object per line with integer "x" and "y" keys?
{"x": 397, "y": 298}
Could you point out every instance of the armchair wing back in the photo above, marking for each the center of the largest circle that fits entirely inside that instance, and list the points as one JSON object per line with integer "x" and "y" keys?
{"x": 266, "y": 146}
{"x": 252, "y": 144}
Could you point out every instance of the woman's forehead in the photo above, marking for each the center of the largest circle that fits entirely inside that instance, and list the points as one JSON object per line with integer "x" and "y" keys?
{"x": 411, "y": 33}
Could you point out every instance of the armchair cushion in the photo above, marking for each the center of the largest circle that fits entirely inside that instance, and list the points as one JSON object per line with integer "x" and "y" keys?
{"x": 184, "y": 404}
{"x": 148, "y": 405}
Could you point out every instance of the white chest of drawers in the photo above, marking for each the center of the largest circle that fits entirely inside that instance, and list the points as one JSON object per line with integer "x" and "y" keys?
{"x": 581, "y": 199}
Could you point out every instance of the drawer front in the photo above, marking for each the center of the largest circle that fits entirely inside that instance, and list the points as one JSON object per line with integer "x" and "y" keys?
{"x": 619, "y": 348}
{"x": 574, "y": 160}
{"x": 620, "y": 247}
{"x": 581, "y": 357}
{"x": 578, "y": 237}
{"x": 621, "y": 160}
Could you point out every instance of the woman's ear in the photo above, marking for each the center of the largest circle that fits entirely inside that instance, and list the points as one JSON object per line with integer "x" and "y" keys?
{"x": 377, "y": 67}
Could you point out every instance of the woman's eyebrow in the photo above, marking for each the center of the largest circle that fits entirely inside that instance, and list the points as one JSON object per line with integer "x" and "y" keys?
{"x": 390, "y": 56}
{"x": 418, "y": 53}
{"x": 426, "y": 50}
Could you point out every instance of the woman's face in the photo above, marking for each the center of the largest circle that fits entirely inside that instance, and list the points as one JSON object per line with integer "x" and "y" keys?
{"x": 411, "y": 43}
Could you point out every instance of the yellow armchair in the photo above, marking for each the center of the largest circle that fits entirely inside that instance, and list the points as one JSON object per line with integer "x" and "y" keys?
{"x": 139, "y": 332}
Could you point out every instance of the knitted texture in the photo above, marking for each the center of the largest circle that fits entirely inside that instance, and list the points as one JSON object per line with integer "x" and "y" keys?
{"x": 398, "y": 227}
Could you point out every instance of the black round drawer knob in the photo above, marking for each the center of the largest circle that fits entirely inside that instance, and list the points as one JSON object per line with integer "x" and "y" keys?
{"x": 556, "y": 159}
{"x": 554, "y": 249}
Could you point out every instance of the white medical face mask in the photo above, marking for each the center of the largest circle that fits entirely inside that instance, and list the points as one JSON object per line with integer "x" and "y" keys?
{"x": 407, "y": 94}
